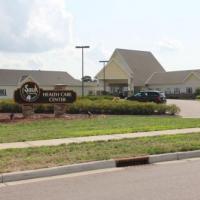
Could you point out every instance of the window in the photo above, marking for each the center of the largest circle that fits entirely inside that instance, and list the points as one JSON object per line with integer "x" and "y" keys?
{"x": 176, "y": 90}
{"x": 189, "y": 90}
{"x": 138, "y": 95}
{"x": 3, "y": 92}
{"x": 153, "y": 94}
{"x": 168, "y": 91}
{"x": 90, "y": 92}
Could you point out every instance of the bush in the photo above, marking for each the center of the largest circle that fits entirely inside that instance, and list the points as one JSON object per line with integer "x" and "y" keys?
{"x": 197, "y": 92}
{"x": 9, "y": 106}
{"x": 44, "y": 108}
{"x": 94, "y": 98}
{"x": 98, "y": 105}
{"x": 121, "y": 107}
{"x": 173, "y": 110}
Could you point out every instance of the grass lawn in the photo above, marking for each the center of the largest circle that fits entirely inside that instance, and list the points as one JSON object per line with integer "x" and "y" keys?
{"x": 42, "y": 157}
{"x": 60, "y": 128}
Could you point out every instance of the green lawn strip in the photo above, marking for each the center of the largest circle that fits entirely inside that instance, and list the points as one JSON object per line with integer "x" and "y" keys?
{"x": 43, "y": 157}
{"x": 60, "y": 128}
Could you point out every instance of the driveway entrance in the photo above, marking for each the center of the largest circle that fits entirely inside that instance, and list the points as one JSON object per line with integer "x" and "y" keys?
{"x": 189, "y": 108}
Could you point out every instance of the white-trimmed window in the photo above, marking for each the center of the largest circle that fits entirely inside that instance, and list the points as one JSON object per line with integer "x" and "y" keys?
{"x": 3, "y": 93}
{"x": 168, "y": 91}
{"x": 189, "y": 90}
{"x": 177, "y": 91}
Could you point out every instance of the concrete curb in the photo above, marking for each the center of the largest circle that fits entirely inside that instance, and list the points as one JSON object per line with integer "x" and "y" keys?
{"x": 125, "y": 162}
{"x": 16, "y": 176}
{"x": 163, "y": 158}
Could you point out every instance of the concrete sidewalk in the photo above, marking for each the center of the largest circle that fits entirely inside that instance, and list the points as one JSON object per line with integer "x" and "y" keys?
{"x": 56, "y": 142}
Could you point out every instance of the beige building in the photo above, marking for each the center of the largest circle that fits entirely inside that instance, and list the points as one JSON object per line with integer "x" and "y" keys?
{"x": 175, "y": 83}
{"x": 127, "y": 71}
{"x": 10, "y": 80}
{"x": 131, "y": 71}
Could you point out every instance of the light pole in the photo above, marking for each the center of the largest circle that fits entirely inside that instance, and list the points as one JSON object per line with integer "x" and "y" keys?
{"x": 104, "y": 73}
{"x": 82, "y": 47}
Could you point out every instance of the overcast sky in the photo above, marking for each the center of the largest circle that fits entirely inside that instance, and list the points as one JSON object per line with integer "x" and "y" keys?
{"x": 41, "y": 34}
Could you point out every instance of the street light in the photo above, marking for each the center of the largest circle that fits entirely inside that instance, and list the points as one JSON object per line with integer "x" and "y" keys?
{"x": 82, "y": 47}
{"x": 104, "y": 73}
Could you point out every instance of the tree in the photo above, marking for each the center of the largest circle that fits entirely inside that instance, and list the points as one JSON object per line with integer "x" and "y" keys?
{"x": 197, "y": 92}
{"x": 87, "y": 79}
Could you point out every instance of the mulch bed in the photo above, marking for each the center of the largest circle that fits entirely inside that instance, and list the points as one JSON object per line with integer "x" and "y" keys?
{"x": 5, "y": 117}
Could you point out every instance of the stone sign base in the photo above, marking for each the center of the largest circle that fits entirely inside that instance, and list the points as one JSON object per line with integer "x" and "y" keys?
{"x": 27, "y": 111}
{"x": 59, "y": 110}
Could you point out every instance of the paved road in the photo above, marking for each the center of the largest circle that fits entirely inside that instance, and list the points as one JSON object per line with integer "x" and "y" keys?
{"x": 166, "y": 181}
{"x": 189, "y": 108}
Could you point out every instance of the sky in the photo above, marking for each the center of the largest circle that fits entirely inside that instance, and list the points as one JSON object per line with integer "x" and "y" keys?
{"x": 42, "y": 34}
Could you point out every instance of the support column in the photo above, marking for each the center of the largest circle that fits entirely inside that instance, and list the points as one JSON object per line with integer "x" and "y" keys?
{"x": 28, "y": 110}
{"x": 60, "y": 109}
{"x": 130, "y": 86}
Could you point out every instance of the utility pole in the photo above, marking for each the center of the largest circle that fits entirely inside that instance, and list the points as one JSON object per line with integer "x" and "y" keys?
{"x": 82, "y": 48}
{"x": 104, "y": 73}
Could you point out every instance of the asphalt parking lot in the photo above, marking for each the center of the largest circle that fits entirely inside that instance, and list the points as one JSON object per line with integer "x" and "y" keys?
{"x": 189, "y": 108}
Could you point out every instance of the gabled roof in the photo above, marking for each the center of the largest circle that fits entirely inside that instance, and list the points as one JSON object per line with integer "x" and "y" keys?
{"x": 172, "y": 77}
{"x": 45, "y": 78}
{"x": 142, "y": 63}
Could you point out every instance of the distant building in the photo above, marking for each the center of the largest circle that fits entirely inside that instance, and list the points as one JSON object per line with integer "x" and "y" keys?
{"x": 131, "y": 71}
{"x": 175, "y": 83}
{"x": 11, "y": 79}
{"x": 128, "y": 71}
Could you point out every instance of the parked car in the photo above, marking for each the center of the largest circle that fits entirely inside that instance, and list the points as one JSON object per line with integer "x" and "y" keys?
{"x": 149, "y": 96}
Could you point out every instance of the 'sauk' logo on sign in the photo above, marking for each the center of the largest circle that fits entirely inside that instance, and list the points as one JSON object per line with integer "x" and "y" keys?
{"x": 30, "y": 92}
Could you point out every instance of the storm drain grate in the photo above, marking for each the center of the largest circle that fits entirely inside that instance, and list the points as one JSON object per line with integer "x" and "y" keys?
{"x": 132, "y": 162}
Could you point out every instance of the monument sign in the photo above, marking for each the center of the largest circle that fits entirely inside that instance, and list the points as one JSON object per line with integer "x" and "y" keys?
{"x": 30, "y": 93}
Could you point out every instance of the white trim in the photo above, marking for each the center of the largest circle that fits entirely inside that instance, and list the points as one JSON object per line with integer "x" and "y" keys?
{"x": 117, "y": 64}
{"x": 192, "y": 73}
{"x": 146, "y": 82}
{"x": 125, "y": 69}
{"x": 28, "y": 78}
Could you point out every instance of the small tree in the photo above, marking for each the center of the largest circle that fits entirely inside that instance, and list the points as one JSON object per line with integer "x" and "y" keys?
{"x": 197, "y": 92}
{"x": 87, "y": 79}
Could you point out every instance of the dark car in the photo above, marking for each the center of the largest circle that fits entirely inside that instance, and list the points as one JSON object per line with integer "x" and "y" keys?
{"x": 149, "y": 96}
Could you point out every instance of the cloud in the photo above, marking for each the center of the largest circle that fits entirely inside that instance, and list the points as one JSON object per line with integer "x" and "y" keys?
{"x": 63, "y": 59}
{"x": 38, "y": 35}
{"x": 170, "y": 45}
{"x": 34, "y": 25}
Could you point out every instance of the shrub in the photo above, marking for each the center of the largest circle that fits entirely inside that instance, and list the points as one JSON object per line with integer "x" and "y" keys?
{"x": 43, "y": 108}
{"x": 100, "y": 106}
{"x": 173, "y": 110}
{"x": 9, "y": 106}
{"x": 121, "y": 107}
{"x": 94, "y": 98}
{"x": 197, "y": 92}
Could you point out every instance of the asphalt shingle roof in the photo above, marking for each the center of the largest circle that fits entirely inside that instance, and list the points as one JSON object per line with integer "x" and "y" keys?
{"x": 46, "y": 78}
{"x": 172, "y": 77}
{"x": 142, "y": 63}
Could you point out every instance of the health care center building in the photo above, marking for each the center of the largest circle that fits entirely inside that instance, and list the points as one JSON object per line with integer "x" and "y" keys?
{"x": 131, "y": 71}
